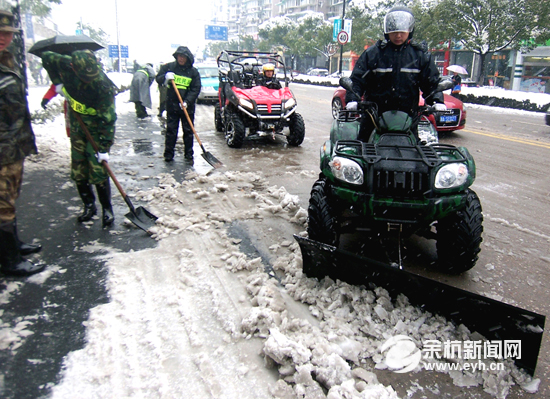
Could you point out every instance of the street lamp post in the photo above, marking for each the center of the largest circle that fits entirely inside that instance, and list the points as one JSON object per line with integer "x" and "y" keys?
{"x": 342, "y": 46}
{"x": 117, "y": 34}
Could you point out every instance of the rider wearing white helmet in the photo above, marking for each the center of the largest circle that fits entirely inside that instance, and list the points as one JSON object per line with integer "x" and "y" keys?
{"x": 393, "y": 71}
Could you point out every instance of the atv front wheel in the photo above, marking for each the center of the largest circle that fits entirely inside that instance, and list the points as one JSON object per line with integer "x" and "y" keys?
{"x": 336, "y": 107}
{"x": 321, "y": 220}
{"x": 459, "y": 237}
{"x": 297, "y": 130}
{"x": 234, "y": 131}
{"x": 218, "y": 123}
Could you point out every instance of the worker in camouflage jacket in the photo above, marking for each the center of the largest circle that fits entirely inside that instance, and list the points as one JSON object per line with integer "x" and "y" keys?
{"x": 16, "y": 143}
{"x": 91, "y": 97}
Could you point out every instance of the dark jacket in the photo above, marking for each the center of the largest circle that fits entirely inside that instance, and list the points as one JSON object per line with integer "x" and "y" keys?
{"x": 16, "y": 135}
{"x": 271, "y": 83}
{"x": 189, "y": 78}
{"x": 395, "y": 76}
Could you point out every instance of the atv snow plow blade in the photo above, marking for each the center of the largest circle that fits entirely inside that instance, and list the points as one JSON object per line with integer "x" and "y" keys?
{"x": 492, "y": 319}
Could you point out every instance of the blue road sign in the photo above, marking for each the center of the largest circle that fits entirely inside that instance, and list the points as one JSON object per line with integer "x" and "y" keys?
{"x": 113, "y": 51}
{"x": 213, "y": 32}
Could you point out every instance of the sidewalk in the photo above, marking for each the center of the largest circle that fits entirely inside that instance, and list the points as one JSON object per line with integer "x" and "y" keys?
{"x": 43, "y": 318}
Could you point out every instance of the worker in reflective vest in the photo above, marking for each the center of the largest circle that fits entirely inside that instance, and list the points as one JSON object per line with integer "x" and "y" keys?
{"x": 188, "y": 82}
{"x": 140, "y": 93}
{"x": 91, "y": 95}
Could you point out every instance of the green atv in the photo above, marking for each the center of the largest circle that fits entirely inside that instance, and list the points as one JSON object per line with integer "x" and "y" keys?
{"x": 395, "y": 185}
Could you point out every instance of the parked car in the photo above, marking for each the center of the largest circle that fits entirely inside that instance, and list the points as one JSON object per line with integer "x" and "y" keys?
{"x": 209, "y": 82}
{"x": 318, "y": 72}
{"x": 345, "y": 74}
{"x": 454, "y": 118}
{"x": 548, "y": 116}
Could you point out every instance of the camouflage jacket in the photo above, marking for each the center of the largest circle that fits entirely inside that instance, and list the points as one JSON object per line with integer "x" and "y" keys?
{"x": 98, "y": 95}
{"x": 16, "y": 135}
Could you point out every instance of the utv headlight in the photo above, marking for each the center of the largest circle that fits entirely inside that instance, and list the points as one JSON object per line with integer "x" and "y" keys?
{"x": 290, "y": 103}
{"x": 346, "y": 170}
{"x": 246, "y": 103}
{"x": 451, "y": 175}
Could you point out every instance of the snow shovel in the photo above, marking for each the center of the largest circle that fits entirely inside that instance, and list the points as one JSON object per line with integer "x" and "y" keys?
{"x": 208, "y": 157}
{"x": 140, "y": 216}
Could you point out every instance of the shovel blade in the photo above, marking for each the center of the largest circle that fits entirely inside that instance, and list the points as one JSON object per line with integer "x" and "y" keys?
{"x": 212, "y": 160}
{"x": 493, "y": 319}
{"x": 142, "y": 218}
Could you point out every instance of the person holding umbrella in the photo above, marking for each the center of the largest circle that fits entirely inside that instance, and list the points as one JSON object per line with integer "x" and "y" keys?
{"x": 91, "y": 97}
{"x": 17, "y": 141}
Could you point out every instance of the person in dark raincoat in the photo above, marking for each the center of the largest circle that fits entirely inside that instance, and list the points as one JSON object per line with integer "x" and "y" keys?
{"x": 91, "y": 95}
{"x": 188, "y": 83}
{"x": 393, "y": 72}
{"x": 16, "y": 143}
{"x": 140, "y": 92}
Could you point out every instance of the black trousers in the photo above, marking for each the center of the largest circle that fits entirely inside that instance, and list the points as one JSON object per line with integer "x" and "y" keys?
{"x": 173, "y": 120}
{"x": 141, "y": 112}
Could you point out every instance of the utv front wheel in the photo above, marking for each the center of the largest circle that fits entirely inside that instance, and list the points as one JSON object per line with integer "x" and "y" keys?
{"x": 234, "y": 131}
{"x": 218, "y": 123}
{"x": 459, "y": 237}
{"x": 297, "y": 130}
{"x": 321, "y": 218}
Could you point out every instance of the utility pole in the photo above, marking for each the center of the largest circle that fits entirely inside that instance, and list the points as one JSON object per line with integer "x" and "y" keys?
{"x": 117, "y": 34}
{"x": 342, "y": 46}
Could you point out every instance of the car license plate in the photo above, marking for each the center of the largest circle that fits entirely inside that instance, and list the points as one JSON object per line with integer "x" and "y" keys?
{"x": 447, "y": 118}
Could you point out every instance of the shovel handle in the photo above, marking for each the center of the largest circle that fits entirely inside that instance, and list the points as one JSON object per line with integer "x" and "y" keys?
{"x": 185, "y": 112}
{"x": 104, "y": 163}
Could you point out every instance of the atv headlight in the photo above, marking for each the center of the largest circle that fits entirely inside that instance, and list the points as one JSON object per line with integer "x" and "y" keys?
{"x": 246, "y": 103}
{"x": 290, "y": 103}
{"x": 451, "y": 175}
{"x": 346, "y": 170}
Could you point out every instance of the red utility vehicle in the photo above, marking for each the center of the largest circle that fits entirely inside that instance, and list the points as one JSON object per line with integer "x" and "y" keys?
{"x": 246, "y": 109}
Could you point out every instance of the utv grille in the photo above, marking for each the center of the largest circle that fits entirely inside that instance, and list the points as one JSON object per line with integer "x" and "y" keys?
{"x": 264, "y": 110}
{"x": 397, "y": 184}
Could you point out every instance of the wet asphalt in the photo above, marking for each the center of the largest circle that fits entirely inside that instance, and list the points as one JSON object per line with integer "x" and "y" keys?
{"x": 46, "y": 212}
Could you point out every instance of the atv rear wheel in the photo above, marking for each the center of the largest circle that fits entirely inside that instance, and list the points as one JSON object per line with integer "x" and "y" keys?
{"x": 336, "y": 107}
{"x": 234, "y": 130}
{"x": 321, "y": 219}
{"x": 459, "y": 237}
{"x": 297, "y": 130}
{"x": 218, "y": 123}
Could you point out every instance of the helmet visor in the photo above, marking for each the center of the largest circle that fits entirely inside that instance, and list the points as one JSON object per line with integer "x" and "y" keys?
{"x": 398, "y": 21}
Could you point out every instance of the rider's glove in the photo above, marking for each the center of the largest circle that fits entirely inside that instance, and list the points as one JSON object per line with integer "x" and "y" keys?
{"x": 102, "y": 156}
{"x": 352, "y": 106}
{"x": 440, "y": 107}
{"x": 59, "y": 88}
{"x": 185, "y": 104}
{"x": 169, "y": 76}
{"x": 44, "y": 102}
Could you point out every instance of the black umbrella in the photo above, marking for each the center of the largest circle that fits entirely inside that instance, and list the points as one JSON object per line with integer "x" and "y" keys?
{"x": 64, "y": 44}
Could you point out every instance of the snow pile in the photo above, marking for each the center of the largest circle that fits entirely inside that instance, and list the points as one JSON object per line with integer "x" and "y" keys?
{"x": 323, "y": 338}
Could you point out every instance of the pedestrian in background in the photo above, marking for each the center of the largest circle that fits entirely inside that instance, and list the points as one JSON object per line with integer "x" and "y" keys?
{"x": 188, "y": 83}
{"x": 140, "y": 92}
{"x": 91, "y": 96}
{"x": 17, "y": 141}
{"x": 457, "y": 82}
